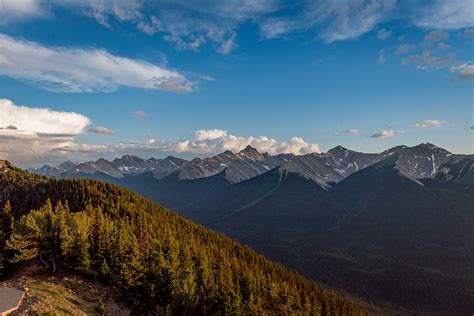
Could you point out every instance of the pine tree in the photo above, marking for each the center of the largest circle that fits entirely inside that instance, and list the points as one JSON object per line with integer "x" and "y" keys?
{"x": 79, "y": 248}
{"x": 6, "y": 227}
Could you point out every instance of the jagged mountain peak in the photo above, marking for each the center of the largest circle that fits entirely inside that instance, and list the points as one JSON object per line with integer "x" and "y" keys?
{"x": 129, "y": 158}
{"x": 337, "y": 149}
{"x": 226, "y": 153}
{"x": 65, "y": 164}
{"x": 430, "y": 148}
{"x": 248, "y": 149}
{"x": 252, "y": 153}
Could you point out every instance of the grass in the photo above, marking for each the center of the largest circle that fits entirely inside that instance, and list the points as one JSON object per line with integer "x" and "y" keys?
{"x": 57, "y": 297}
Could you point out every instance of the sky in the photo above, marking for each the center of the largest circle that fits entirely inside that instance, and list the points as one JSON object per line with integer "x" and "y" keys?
{"x": 86, "y": 79}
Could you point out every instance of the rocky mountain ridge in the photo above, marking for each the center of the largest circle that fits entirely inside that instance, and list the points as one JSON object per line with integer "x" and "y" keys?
{"x": 417, "y": 162}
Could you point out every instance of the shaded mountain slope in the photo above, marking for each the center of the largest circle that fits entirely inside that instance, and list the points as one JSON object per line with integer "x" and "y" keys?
{"x": 376, "y": 233}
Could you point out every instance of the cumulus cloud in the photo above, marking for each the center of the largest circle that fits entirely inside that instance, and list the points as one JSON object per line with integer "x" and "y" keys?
{"x": 429, "y": 123}
{"x": 203, "y": 143}
{"x": 29, "y": 134}
{"x": 40, "y": 120}
{"x": 464, "y": 71}
{"x": 60, "y": 69}
{"x": 383, "y": 134}
{"x": 202, "y": 135}
{"x": 101, "y": 130}
{"x": 215, "y": 141}
{"x": 139, "y": 114}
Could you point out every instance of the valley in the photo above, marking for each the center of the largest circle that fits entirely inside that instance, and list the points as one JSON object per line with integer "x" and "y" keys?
{"x": 368, "y": 224}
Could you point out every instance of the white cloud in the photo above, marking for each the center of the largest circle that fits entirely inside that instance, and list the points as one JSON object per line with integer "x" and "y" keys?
{"x": 340, "y": 20}
{"x": 139, "y": 114}
{"x": 191, "y": 24}
{"x": 430, "y": 59}
{"x": 228, "y": 45}
{"x": 442, "y": 14}
{"x": 464, "y": 71}
{"x": 383, "y": 34}
{"x": 381, "y": 59}
{"x": 404, "y": 48}
{"x": 429, "y": 123}
{"x": 82, "y": 70}
{"x": 443, "y": 46}
{"x": 383, "y": 134}
{"x": 215, "y": 141}
{"x": 28, "y": 135}
{"x": 101, "y": 130}
{"x": 12, "y": 10}
{"x": 434, "y": 37}
{"x": 204, "y": 143}
{"x": 41, "y": 120}
{"x": 352, "y": 131}
{"x": 187, "y": 24}
{"x": 202, "y": 135}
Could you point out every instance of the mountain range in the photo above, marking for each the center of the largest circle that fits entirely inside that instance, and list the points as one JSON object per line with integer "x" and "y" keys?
{"x": 422, "y": 161}
{"x": 400, "y": 221}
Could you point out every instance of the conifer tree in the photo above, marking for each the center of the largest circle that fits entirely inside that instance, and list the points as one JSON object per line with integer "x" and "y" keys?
{"x": 6, "y": 227}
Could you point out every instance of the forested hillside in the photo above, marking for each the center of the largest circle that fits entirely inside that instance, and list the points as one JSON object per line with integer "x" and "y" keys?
{"x": 161, "y": 262}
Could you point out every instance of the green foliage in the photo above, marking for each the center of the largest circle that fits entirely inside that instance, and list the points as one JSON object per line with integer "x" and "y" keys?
{"x": 160, "y": 261}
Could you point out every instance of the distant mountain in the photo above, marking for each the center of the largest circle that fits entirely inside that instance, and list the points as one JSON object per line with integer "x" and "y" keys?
{"x": 244, "y": 165}
{"x": 120, "y": 167}
{"x": 419, "y": 162}
{"x": 331, "y": 167}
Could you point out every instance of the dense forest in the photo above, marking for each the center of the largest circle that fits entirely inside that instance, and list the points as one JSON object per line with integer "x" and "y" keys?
{"x": 160, "y": 262}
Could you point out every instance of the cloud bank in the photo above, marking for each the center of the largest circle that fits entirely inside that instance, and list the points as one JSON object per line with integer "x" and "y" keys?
{"x": 60, "y": 69}
{"x": 33, "y": 136}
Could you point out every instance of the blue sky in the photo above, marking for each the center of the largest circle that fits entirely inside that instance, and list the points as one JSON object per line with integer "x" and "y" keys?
{"x": 206, "y": 76}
